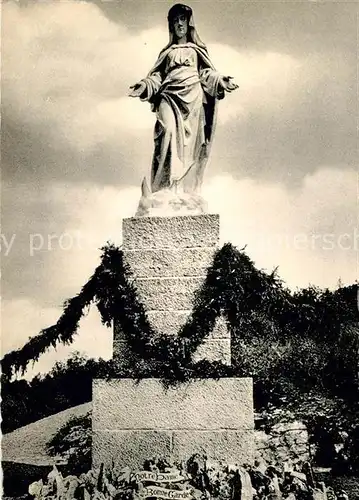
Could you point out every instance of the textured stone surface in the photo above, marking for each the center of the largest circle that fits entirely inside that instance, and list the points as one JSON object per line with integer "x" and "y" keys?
{"x": 121, "y": 404}
{"x": 171, "y": 232}
{"x": 168, "y": 258}
{"x": 170, "y": 322}
{"x": 132, "y": 422}
{"x": 165, "y": 294}
{"x": 231, "y": 446}
{"x": 132, "y": 448}
{"x": 129, "y": 448}
{"x": 164, "y": 262}
{"x": 214, "y": 350}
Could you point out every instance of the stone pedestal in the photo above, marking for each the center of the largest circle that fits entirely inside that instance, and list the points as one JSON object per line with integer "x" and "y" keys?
{"x": 133, "y": 421}
{"x": 168, "y": 258}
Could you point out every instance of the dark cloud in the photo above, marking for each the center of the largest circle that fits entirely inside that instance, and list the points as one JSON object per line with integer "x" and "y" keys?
{"x": 285, "y": 26}
{"x": 66, "y": 119}
{"x": 38, "y": 155}
{"x": 316, "y": 127}
{"x": 286, "y": 149}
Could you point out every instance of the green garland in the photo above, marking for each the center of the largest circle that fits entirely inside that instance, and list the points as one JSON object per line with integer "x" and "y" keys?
{"x": 233, "y": 288}
{"x": 109, "y": 288}
{"x": 62, "y": 332}
{"x": 231, "y": 276}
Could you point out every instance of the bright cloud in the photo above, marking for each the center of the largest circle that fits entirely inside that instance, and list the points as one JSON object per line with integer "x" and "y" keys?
{"x": 309, "y": 233}
{"x": 75, "y": 75}
{"x": 23, "y": 319}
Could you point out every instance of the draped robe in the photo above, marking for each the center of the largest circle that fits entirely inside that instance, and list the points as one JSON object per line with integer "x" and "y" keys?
{"x": 183, "y": 88}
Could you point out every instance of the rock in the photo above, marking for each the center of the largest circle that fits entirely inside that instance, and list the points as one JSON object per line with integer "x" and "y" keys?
{"x": 286, "y": 442}
{"x": 71, "y": 484}
{"x": 56, "y": 483}
{"x": 36, "y": 489}
{"x": 246, "y": 483}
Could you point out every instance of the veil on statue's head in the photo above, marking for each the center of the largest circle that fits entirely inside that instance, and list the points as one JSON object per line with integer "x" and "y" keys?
{"x": 192, "y": 35}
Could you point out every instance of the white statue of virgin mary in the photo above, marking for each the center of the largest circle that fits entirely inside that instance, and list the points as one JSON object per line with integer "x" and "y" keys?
{"x": 183, "y": 88}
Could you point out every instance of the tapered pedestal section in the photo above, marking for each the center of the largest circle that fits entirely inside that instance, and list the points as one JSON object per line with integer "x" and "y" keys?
{"x": 168, "y": 257}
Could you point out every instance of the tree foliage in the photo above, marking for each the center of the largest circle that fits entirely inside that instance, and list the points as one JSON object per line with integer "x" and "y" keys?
{"x": 68, "y": 384}
{"x": 72, "y": 444}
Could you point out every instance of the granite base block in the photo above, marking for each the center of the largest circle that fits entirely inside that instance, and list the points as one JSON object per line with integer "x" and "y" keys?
{"x": 189, "y": 231}
{"x": 169, "y": 262}
{"x": 120, "y": 404}
{"x": 170, "y": 323}
{"x": 229, "y": 446}
{"x": 131, "y": 448}
{"x": 165, "y": 294}
{"x": 128, "y": 448}
{"x": 133, "y": 421}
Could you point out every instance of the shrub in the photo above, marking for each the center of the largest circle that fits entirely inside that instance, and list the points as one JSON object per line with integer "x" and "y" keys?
{"x": 72, "y": 444}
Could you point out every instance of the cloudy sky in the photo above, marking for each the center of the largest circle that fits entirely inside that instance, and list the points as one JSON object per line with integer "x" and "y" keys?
{"x": 283, "y": 173}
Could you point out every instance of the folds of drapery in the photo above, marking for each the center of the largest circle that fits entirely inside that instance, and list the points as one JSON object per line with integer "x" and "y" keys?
{"x": 161, "y": 87}
{"x": 153, "y": 84}
{"x": 210, "y": 81}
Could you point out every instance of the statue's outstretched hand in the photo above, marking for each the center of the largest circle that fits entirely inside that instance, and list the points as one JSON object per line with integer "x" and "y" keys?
{"x": 228, "y": 83}
{"x": 137, "y": 90}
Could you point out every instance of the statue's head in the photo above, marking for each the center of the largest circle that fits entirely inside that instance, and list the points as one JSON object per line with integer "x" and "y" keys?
{"x": 179, "y": 17}
{"x": 180, "y": 24}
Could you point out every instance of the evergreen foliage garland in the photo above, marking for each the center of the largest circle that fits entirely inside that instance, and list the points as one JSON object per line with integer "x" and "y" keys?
{"x": 114, "y": 295}
{"x": 62, "y": 332}
{"x": 233, "y": 288}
